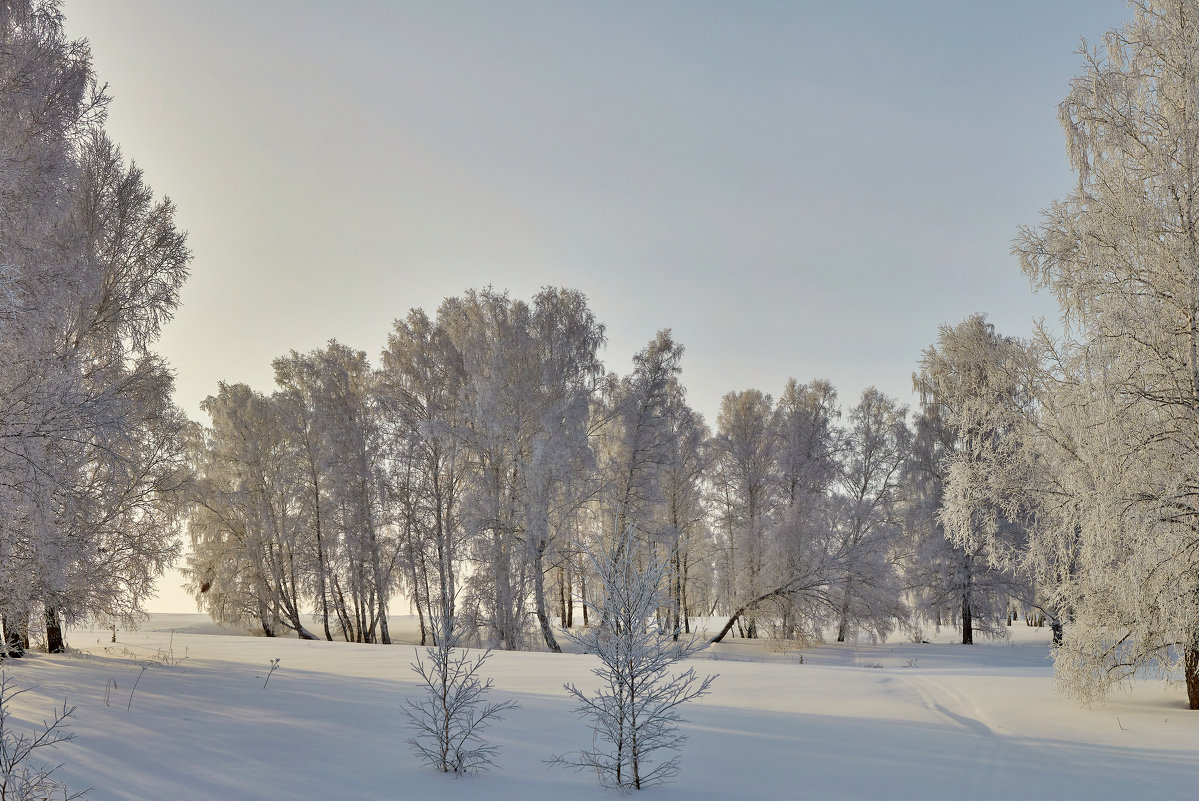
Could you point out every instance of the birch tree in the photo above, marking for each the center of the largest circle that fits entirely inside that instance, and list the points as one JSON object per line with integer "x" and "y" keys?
{"x": 744, "y": 494}
{"x": 635, "y": 714}
{"x": 1121, "y": 255}
{"x": 969, "y": 505}
{"x": 90, "y": 268}
{"x": 876, "y": 448}
{"x": 421, "y": 381}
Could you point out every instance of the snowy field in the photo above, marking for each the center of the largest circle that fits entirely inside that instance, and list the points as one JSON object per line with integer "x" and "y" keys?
{"x": 893, "y": 721}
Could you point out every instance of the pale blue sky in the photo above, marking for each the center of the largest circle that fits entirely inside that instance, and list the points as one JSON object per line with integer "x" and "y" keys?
{"x": 796, "y": 189}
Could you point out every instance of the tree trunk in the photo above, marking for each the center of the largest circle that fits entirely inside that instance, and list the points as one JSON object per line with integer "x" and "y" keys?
{"x": 967, "y": 598}
{"x": 683, "y": 598}
{"x": 1192, "y": 675}
{"x": 967, "y": 619}
{"x": 568, "y": 570}
{"x": 12, "y": 637}
{"x": 321, "y": 590}
{"x": 562, "y": 597}
{"x": 778, "y": 592}
{"x": 547, "y": 631}
{"x": 843, "y": 624}
{"x": 55, "y": 643}
{"x": 583, "y": 594}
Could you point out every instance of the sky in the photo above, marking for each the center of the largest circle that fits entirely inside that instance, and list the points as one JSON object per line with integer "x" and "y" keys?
{"x": 795, "y": 189}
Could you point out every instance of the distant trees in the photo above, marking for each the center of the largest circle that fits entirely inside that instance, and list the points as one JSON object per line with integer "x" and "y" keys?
{"x": 743, "y": 492}
{"x": 487, "y": 452}
{"x": 247, "y": 525}
{"x": 290, "y": 501}
{"x": 816, "y": 508}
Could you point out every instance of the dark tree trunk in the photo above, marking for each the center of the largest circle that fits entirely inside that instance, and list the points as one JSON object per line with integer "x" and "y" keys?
{"x": 12, "y": 637}
{"x": 583, "y": 595}
{"x": 1191, "y": 661}
{"x": 967, "y": 598}
{"x": 967, "y": 620}
{"x": 562, "y": 598}
{"x": 55, "y": 643}
{"x": 568, "y": 570}
{"x": 683, "y": 599}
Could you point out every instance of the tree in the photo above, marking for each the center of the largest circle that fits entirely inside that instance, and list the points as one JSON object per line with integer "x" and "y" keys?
{"x": 875, "y": 450}
{"x": 532, "y": 373}
{"x": 1121, "y": 254}
{"x": 247, "y": 527}
{"x": 743, "y": 488}
{"x": 807, "y": 556}
{"x": 651, "y": 454}
{"x": 420, "y": 385}
{"x": 91, "y": 462}
{"x": 635, "y": 713}
{"x": 451, "y": 717}
{"x": 347, "y": 419}
{"x": 807, "y": 468}
{"x": 968, "y": 511}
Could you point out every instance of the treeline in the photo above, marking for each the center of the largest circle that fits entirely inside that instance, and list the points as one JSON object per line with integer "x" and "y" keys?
{"x": 467, "y": 469}
{"x": 489, "y": 448}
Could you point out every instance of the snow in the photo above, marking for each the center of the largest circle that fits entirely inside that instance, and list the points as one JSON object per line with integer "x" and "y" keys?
{"x": 976, "y": 722}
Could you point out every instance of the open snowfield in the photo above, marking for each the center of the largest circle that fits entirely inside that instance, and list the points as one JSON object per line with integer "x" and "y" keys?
{"x": 934, "y": 721}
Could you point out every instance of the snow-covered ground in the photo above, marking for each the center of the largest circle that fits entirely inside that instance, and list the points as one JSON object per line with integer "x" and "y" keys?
{"x": 934, "y": 721}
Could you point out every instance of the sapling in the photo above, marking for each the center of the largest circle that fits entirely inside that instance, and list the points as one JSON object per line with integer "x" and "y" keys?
{"x": 635, "y": 713}
{"x": 449, "y": 719}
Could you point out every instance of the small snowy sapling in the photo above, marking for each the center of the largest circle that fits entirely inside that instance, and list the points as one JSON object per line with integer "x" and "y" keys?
{"x": 450, "y": 718}
{"x": 635, "y": 713}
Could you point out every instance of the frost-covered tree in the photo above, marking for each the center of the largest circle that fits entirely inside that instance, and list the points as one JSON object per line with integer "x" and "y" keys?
{"x": 297, "y": 379}
{"x": 636, "y": 438}
{"x": 247, "y": 526}
{"x": 420, "y": 385}
{"x": 876, "y": 447}
{"x": 636, "y": 711}
{"x": 651, "y": 456}
{"x": 806, "y": 540}
{"x": 91, "y": 269}
{"x": 450, "y": 717}
{"x": 347, "y": 419}
{"x": 1121, "y": 254}
{"x": 968, "y": 511}
{"x": 532, "y": 373}
{"x": 809, "y": 445}
{"x": 743, "y": 494}
{"x": 683, "y": 516}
